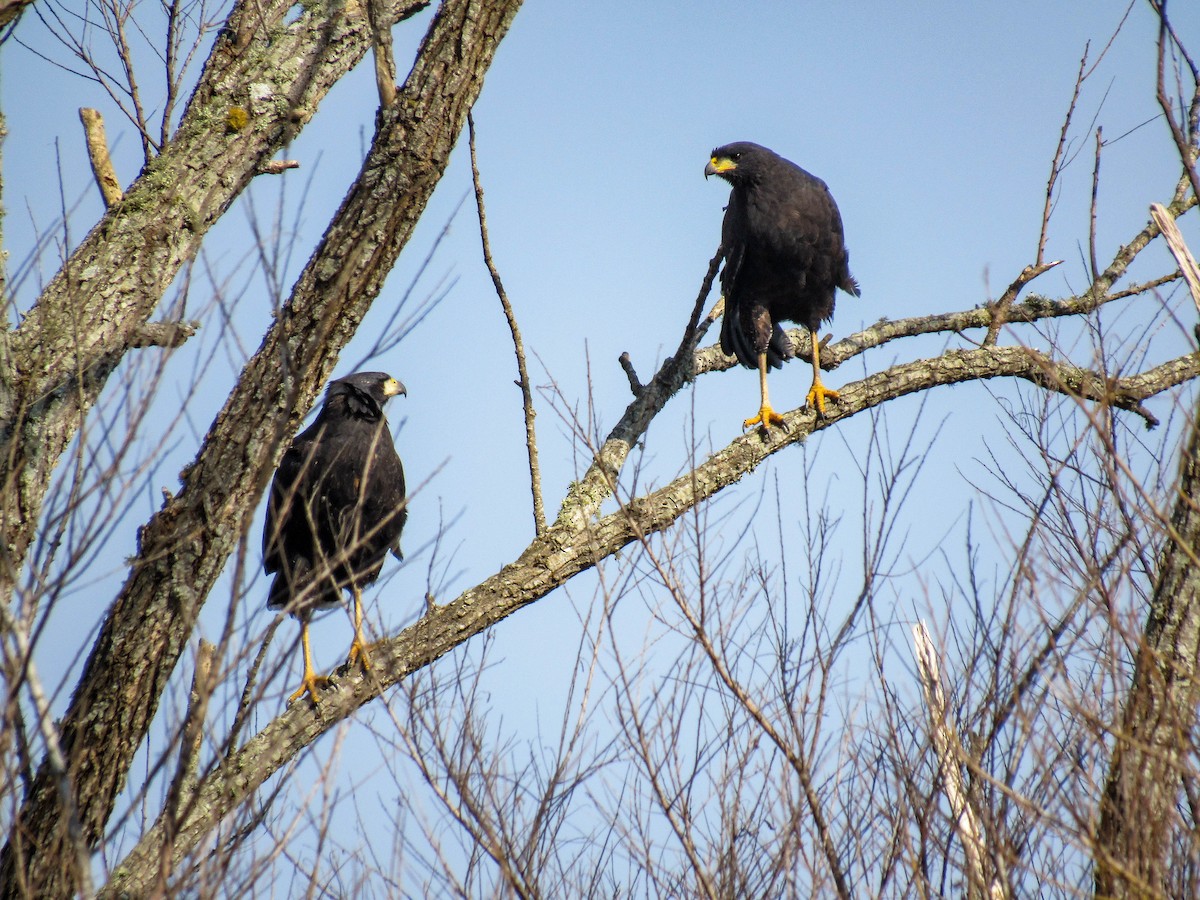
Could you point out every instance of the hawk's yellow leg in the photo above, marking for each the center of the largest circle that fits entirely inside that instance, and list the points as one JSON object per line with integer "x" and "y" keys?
{"x": 312, "y": 683}
{"x": 358, "y": 648}
{"x": 818, "y": 393}
{"x": 766, "y": 416}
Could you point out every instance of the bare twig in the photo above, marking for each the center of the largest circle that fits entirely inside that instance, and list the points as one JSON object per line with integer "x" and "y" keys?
{"x": 184, "y": 782}
{"x": 535, "y": 475}
{"x": 1055, "y": 164}
{"x": 967, "y": 821}
{"x": 171, "y": 62}
{"x": 249, "y": 690}
{"x": 1095, "y": 267}
{"x": 116, "y": 19}
{"x": 102, "y": 167}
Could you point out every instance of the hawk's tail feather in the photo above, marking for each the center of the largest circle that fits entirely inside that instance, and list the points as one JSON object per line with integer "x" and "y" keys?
{"x": 735, "y": 343}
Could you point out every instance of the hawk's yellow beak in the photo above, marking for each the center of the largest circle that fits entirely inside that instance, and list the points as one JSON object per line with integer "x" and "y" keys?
{"x": 392, "y": 387}
{"x": 719, "y": 166}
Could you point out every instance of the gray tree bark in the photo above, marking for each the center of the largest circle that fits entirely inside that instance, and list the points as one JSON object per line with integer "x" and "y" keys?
{"x": 185, "y": 546}
{"x": 90, "y": 314}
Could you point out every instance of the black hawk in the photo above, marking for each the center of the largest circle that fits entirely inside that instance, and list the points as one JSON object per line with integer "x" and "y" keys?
{"x": 785, "y": 256}
{"x": 337, "y": 506}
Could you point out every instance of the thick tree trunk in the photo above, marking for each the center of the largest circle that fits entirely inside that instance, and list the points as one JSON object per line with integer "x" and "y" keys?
{"x": 1154, "y": 737}
{"x": 185, "y": 546}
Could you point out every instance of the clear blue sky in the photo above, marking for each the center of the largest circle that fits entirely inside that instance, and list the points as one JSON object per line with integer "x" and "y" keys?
{"x": 933, "y": 124}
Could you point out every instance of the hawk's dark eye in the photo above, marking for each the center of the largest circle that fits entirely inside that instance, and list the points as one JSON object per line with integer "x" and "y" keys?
{"x": 735, "y": 156}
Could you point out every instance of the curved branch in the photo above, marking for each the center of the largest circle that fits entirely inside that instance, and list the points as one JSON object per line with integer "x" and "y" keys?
{"x": 563, "y": 551}
{"x": 586, "y": 495}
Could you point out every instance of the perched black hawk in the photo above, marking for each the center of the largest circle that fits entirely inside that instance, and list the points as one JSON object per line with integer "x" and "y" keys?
{"x": 785, "y": 256}
{"x": 336, "y": 508}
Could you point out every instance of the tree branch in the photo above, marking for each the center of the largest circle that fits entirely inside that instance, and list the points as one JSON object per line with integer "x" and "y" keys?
{"x": 585, "y": 496}
{"x": 560, "y": 553}
{"x": 278, "y": 166}
{"x": 381, "y": 47}
{"x": 1187, "y": 263}
{"x": 1056, "y": 163}
{"x": 163, "y": 334}
{"x": 535, "y": 475}
{"x": 97, "y": 146}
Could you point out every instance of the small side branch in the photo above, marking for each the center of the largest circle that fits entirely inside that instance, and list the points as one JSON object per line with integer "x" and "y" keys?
{"x": 967, "y": 821}
{"x": 102, "y": 167}
{"x": 635, "y": 385}
{"x": 1095, "y": 199}
{"x": 385, "y": 60}
{"x": 585, "y": 496}
{"x": 163, "y": 334}
{"x": 1057, "y": 162}
{"x": 535, "y": 475}
{"x": 1187, "y": 263}
{"x": 278, "y": 166}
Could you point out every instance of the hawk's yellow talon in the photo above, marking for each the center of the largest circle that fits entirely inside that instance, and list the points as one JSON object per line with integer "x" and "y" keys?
{"x": 312, "y": 685}
{"x": 818, "y": 394}
{"x": 358, "y": 654}
{"x": 766, "y": 418}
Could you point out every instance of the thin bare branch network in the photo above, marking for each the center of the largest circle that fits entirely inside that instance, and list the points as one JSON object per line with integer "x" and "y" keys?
{"x": 765, "y": 751}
